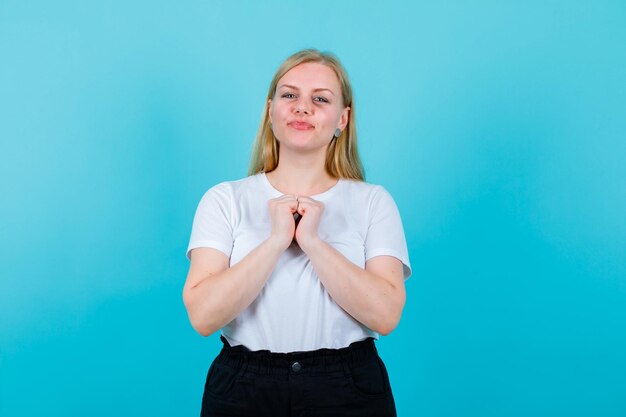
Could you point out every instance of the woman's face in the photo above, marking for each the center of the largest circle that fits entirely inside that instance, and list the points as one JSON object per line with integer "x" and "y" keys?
{"x": 307, "y": 107}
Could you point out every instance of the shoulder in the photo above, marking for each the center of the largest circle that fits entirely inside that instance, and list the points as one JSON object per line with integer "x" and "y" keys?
{"x": 229, "y": 189}
{"x": 366, "y": 191}
{"x": 224, "y": 195}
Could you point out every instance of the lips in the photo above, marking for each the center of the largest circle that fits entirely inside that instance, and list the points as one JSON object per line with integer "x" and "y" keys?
{"x": 301, "y": 125}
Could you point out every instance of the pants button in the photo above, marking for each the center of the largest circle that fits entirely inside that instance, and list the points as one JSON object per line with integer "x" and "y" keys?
{"x": 296, "y": 366}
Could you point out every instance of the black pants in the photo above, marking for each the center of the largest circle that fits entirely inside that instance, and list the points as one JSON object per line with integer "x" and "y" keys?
{"x": 351, "y": 381}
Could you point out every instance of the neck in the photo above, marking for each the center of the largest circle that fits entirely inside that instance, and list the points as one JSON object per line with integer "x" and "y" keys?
{"x": 300, "y": 174}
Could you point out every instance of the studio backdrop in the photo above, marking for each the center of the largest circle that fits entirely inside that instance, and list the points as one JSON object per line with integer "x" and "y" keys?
{"x": 497, "y": 126}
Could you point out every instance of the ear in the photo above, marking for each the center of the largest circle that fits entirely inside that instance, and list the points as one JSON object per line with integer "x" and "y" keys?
{"x": 344, "y": 118}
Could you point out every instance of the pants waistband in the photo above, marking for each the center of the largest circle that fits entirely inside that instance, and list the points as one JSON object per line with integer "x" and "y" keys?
{"x": 320, "y": 360}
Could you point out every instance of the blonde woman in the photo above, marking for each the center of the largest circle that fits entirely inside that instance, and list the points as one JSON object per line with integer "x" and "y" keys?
{"x": 301, "y": 264}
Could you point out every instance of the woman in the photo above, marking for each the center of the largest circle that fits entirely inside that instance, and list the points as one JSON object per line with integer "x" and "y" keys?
{"x": 301, "y": 264}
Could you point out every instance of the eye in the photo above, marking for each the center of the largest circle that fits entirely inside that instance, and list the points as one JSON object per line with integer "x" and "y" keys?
{"x": 288, "y": 95}
{"x": 320, "y": 99}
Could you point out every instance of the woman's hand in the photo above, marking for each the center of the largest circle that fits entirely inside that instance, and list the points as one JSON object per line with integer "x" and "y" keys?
{"x": 281, "y": 211}
{"x": 311, "y": 212}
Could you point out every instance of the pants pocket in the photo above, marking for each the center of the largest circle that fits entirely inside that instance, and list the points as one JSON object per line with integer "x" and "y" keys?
{"x": 220, "y": 379}
{"x": 370, "y": 379}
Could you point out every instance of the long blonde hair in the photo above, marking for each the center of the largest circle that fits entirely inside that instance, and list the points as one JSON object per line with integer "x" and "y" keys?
{"x": 342, "y": 156}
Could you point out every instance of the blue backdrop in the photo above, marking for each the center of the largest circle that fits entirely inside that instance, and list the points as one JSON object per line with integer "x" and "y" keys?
{"x": 498, "y": 127}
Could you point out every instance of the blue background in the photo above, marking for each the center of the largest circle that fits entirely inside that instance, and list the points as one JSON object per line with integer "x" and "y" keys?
{"x": 498, "y": 127}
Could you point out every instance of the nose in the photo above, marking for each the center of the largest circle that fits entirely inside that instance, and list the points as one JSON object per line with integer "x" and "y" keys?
{"x": 301, "y": 106}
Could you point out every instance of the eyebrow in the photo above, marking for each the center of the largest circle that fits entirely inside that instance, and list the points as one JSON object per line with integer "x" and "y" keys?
{"x": 296, "y": 88}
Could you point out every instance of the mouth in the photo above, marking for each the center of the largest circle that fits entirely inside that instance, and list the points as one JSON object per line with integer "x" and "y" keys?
{"x": 301, "y": 125}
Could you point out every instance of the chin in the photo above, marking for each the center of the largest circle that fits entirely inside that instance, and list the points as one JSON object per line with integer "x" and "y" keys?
{"x": 302, "y": 146}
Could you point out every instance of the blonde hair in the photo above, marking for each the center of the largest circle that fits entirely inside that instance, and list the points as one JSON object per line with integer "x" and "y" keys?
{"x": 342, "y": 157}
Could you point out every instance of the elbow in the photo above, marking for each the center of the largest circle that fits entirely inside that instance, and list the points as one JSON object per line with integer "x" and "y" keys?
{"x": 385, "y": 327}
{"x": 389, "y": 320}
{"x": 385, "y": 324}
{"x": 389, "y": 310}
{"x": 203, "y": 327}
{"x": 385, "y": 331}
{"x": 199, "y": 323}
{"x": 203, "y": 330}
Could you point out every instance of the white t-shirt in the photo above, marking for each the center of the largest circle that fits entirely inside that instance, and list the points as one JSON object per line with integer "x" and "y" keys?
{"x": 293, "y": 311}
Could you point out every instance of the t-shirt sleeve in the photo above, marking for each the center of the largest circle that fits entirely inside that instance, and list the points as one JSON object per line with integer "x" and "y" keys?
{"x": 212, "y": 226}
{"x": 385, "y": 234}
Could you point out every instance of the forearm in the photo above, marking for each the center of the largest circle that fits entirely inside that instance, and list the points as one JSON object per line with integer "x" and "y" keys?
{"x": 217, "y": 299}
{"x": 369, "y": 298}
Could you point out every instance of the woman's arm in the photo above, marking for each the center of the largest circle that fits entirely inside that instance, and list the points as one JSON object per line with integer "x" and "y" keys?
{"x": 215, "y": 294}
{"x": 375, "y": 296}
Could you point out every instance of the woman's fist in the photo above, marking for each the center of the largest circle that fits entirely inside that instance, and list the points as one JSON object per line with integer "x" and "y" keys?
{"x": 311, "y": 212}
{"x": 281, "y": 212}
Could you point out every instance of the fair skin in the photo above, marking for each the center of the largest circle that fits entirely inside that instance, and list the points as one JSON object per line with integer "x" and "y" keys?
{"x": 305, "y": 111}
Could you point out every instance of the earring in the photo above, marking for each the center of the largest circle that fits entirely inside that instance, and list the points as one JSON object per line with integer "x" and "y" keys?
{"x": 337, "y": 132}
